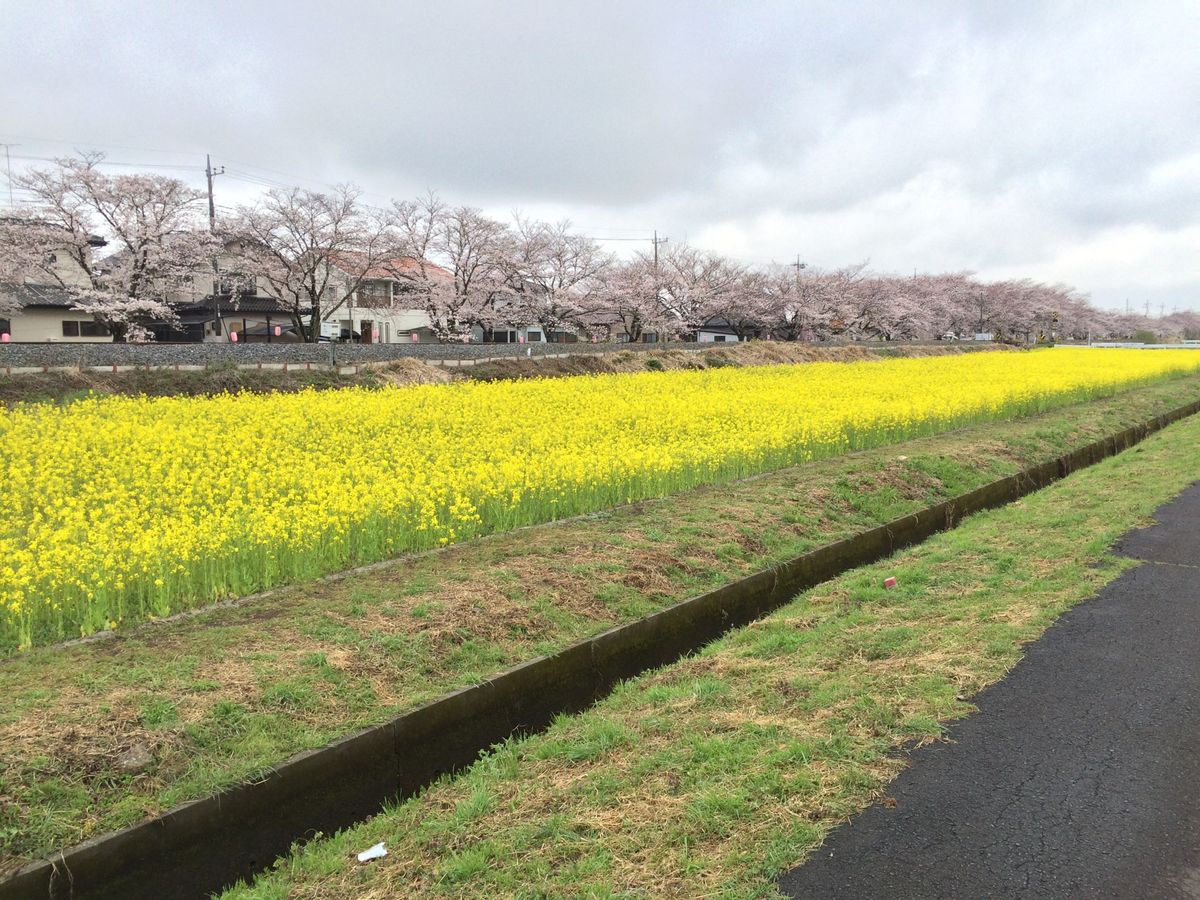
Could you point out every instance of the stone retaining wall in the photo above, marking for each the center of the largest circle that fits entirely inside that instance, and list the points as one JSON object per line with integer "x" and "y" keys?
{"x": 64, "y": 355}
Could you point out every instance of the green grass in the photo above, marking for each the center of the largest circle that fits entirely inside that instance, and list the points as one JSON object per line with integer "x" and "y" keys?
{"x": 712, "y": 776}
{"x": 229, "y": 693}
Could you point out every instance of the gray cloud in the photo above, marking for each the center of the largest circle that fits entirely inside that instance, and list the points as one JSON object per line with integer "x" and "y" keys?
{"x": 1014, "y": 137}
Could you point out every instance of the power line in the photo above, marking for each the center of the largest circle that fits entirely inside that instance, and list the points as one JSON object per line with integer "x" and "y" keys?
{"x": 74, "y": 144}
{"x": 113, "y": 162}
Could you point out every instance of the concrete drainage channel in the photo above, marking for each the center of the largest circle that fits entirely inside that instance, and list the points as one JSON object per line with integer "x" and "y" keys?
{"x": 205, "y": 845}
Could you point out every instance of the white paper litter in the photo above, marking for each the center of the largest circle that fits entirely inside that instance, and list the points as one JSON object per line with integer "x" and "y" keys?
{"x": 377, "y": 852}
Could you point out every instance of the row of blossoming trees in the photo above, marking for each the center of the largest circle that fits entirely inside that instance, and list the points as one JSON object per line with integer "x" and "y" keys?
{"x": 316, "y": 252}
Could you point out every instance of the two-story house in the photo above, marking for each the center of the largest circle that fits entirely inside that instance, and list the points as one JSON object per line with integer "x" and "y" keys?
{"x": 39, "y": 304}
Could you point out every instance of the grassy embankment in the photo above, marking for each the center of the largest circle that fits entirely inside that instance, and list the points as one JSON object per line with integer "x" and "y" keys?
{"x": 222, "y": 695}
{"x": 64, "y": 387}
{"x": 712, "y": 776}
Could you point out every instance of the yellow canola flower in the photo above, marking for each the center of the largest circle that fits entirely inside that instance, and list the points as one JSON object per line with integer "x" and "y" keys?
{"x": 118, "y": 509}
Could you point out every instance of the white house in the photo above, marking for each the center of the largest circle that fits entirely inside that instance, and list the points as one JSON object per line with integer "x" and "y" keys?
{"x": 43, "y": 311}
{"x": 46, "y": 316}
{"x": 716, "y": 331}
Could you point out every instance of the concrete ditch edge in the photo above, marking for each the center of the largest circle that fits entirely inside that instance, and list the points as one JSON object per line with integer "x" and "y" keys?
{"x": 204, "y": 845}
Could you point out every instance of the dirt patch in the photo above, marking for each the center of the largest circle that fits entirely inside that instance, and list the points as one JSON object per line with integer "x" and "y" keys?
{"x": 750, "y": 353}
{"x": 58, "y": 387}
{"x": 409, "y": 371}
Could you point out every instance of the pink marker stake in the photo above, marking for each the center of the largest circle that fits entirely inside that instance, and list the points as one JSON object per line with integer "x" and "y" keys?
{"x": 233, "y": 337}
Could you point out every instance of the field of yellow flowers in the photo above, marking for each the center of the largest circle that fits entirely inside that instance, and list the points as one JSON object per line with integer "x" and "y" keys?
{"x": 120, "y": 509}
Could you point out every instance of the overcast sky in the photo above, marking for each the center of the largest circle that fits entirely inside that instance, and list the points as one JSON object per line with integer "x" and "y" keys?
{"x": 1054, "y": 140}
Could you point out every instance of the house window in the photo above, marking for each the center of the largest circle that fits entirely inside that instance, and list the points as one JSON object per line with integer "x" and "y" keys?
{"x": 230, "y": 283}
{"x": 372, "y": 293}
{"x": 5, "y": 326}
{"x": 83, "y": 329}
{"x": 718, "y": 338}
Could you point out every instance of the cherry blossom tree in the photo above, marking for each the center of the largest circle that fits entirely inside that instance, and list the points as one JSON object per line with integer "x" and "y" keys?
{"x": 313, "y": 250}
{"x": 628, "y": 305}
{"x": 316, "y": 251}
{"x": 695, "y": 285}
{"x": 554, "y": 276}
{"x": 747, "y": 305}
{"x": 458, "y": 274}
{"x": 152, "y": 225}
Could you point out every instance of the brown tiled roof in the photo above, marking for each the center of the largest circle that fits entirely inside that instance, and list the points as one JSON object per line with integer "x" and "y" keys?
{"x": 399, "y": 266}
{"x": 38, "y": 295}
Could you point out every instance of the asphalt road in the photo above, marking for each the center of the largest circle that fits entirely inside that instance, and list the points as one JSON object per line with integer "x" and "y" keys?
{"x": 1080, "y": 774}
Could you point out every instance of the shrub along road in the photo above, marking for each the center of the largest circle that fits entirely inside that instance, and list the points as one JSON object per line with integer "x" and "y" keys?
{"x": 1077, "y": 778}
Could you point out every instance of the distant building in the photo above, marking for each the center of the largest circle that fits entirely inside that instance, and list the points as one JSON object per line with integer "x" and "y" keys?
{"x": 716, "y": 331}
{"x": 46, "y": 316}
{"x": 44, "y": 311}
{"x": 385, "y": 309}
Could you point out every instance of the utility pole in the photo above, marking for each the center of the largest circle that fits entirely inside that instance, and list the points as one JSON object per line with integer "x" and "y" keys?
{"x": 657, "y": 241}
{"x": 799, "y": 265}
{"x": 209, "y": 175}
{"x": 8, "y": 165}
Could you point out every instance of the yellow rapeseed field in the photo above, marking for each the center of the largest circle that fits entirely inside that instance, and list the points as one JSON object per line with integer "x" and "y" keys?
{"x": 119, "y": 509}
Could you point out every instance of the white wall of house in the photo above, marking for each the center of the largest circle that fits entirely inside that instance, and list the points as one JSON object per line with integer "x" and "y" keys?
{"x": 67, "y": 270}
{"x": 41, "y": 325}
{"x": 516, "y": 334}
{"x": 718, "y": 337}
{"x": 392, "y": 326}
